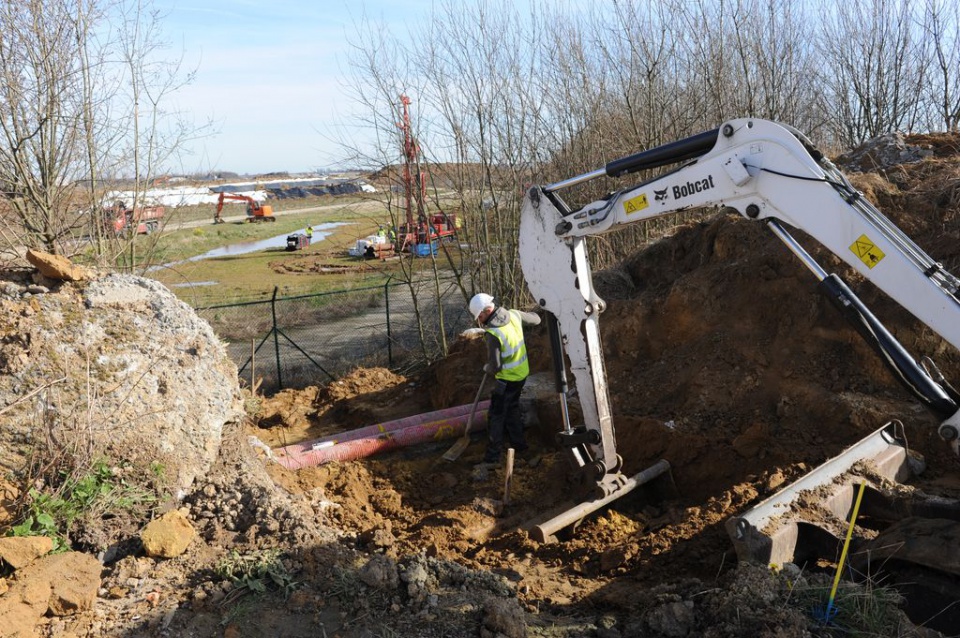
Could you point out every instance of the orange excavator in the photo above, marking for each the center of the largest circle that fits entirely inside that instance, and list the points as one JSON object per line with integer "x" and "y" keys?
{"x": 256, "y": 212}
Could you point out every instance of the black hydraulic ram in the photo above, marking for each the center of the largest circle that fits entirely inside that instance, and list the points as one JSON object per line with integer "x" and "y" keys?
{"x": 679, "y": 151}
{"x": 913, "y": 377}
{"x": 672, "y": 153}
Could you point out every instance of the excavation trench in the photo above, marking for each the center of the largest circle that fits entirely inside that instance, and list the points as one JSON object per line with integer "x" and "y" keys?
{"x": 721, "y": 358}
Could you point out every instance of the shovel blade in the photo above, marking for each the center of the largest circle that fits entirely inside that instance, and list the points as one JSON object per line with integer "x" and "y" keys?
{"x": 461, "y": 445}
{"x": 457, "y": 448}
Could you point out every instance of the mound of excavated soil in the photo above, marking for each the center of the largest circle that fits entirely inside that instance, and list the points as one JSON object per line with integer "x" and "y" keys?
{"x": 721, "y": 357}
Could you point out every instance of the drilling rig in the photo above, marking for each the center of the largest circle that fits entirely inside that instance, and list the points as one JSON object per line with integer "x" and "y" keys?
{"x": 421, "y": 232}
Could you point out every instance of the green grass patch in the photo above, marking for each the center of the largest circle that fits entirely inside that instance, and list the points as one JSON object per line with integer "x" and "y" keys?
{"x": 52, "y": 512}
{"x": 258, "y": 571}
{"x": 254, "y": 276}
{"x": 178, "y": 243}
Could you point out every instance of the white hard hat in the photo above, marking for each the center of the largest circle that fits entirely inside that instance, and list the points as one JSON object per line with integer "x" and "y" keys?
{"x": 480, "y": 301}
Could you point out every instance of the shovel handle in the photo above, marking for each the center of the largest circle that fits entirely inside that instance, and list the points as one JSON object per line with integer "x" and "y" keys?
{"x": 476, "y": 401}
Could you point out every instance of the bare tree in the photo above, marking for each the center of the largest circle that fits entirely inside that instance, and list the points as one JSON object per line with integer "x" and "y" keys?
{"x": 941, "y": 25}
{"x": 41, "y": 117}
{"x": 81, "y": 105}
{"x": 874, "y": 71}
{"x": 151, "y": 135}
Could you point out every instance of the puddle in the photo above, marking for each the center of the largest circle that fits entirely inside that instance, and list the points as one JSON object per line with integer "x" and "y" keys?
{"x": 194, "y": 284}
{"x": 320, "y": 232}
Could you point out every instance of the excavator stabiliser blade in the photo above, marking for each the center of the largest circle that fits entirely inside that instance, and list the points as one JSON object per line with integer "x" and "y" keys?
{"x": 775, "y": 531}
{"x": 545, "y": 532}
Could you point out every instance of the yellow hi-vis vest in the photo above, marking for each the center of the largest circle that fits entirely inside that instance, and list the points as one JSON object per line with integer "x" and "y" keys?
{"x": 513, "y": 351}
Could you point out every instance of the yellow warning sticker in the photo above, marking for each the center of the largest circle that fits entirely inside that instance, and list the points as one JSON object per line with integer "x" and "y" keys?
{"x": 635, "y": 204}
{"x": 867, "y": 251}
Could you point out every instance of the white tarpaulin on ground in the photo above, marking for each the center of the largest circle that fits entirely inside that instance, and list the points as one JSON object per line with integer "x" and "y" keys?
{"x": 177, "y": 197}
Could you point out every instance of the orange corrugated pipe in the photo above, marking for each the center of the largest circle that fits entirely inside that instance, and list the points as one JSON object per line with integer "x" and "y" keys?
{"x": 363, "y": 442}
{"x": 380, "y": 428}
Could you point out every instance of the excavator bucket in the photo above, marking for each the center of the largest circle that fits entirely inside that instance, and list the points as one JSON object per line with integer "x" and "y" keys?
{"x": 811, "y": 513}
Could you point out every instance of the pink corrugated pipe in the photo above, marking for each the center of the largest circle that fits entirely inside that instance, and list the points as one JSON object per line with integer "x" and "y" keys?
{"x": 326, "y": 450}
{"x": 381, "y": 428}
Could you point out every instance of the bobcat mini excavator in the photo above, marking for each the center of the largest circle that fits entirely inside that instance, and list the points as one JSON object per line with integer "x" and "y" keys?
{"x": 770, "y": 173}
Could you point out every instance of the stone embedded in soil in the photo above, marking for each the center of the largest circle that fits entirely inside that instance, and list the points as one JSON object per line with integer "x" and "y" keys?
{"x": 504, "y": 617}
{"x": 168, "y": 536}
{"x": 378, "y": 537}
{"x": 55, "y": 585}
{"x": 20, "y": 551}
{"x": 672, "y": 619}
{"x": 380, "y": 572}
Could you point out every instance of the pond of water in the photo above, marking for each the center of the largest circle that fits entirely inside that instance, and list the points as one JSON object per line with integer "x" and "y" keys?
{"x": 320, "y": 231}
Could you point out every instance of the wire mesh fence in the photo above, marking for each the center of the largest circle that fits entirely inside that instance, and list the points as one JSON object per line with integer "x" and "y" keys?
{"x": 297, "y": 341}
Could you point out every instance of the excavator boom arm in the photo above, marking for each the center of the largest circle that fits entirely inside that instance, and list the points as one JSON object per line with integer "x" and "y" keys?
{"x": 763, "y": 171}
{"x": 766, "y": 172}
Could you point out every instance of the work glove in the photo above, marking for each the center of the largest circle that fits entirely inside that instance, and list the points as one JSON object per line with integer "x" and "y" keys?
{"x": 490, "y": 369}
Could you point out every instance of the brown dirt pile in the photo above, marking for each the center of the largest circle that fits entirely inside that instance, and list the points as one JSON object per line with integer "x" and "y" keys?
{"x": 721, "y": 357}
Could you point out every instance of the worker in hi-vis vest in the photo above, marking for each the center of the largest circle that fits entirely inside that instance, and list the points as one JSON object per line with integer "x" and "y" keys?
{"x": 507, "y": 362}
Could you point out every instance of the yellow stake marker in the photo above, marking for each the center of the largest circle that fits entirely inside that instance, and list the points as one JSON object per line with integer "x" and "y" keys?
{"x": 846, "y": 546}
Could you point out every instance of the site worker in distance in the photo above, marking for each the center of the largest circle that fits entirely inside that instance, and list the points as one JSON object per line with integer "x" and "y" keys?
{"x": 507, "y": 362}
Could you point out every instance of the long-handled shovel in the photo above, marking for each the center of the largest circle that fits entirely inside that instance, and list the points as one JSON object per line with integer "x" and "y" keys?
{"x": 464, "y": 441}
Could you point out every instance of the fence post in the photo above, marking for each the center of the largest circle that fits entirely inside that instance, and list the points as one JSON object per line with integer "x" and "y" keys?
{"x": 386, "y": 297}
{"x": 276, "y": 341}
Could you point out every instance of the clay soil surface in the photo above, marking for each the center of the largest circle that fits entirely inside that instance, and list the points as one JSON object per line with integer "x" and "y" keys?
{"x": 721, "y": 358}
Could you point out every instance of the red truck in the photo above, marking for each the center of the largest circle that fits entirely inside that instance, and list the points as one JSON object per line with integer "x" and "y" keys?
{"x": 147, "y": 219}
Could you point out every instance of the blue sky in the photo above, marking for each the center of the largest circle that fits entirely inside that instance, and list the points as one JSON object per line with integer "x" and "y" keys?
{"x": 269, "y": 74}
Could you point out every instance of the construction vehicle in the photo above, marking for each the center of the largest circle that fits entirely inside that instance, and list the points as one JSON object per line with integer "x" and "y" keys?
{"x": 297, "y": 241}
{"x": 420, "y": 233}
{"x": 256, "y": 212}
{"x": 767, "y": 172}
{"x": 142, "y": 220}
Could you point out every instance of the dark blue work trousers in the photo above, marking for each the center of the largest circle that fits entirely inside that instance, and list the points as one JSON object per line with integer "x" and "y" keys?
{"x": 503, "y": 419}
